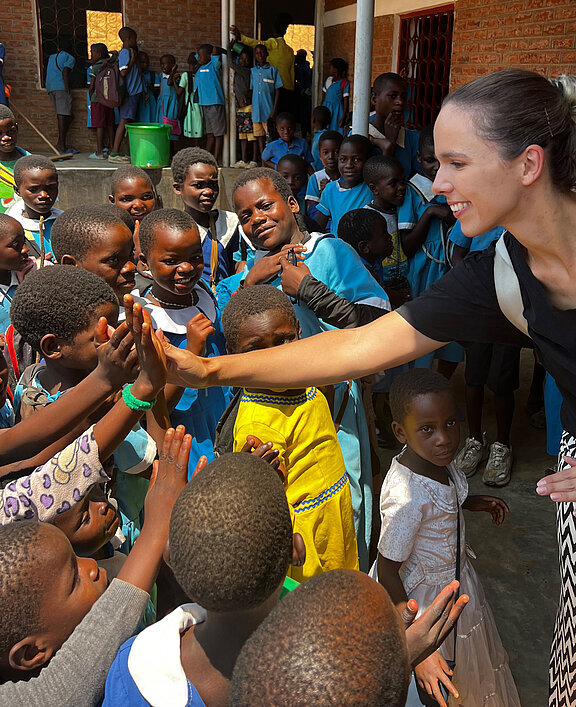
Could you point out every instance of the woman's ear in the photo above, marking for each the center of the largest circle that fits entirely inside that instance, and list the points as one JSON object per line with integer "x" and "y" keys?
{"x": 27, "y": 655}
{"x": 533, "y": 161}
{"x": 298, "y": 550}
{"x": 68, "y": 260}
{"x": 49, "y": 347}
{"x": 399, "y": 433}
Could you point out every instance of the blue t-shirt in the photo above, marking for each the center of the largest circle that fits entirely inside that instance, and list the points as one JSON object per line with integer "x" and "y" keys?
{"x": 407, "y": 155}
{"x": 56, "y": 63}
{"x": 208, "y": 83}
{"x": 133, "y": 79}
{"x": 264, "y": 80}
{"x": 477, "y": 243}
{"x": 276, "y": 149}
{"x": 337, "y": 201}
{"x": 316, "y": 161}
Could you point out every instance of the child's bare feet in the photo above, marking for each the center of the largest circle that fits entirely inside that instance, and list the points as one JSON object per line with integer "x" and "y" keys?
{"x": 198, "y": 330}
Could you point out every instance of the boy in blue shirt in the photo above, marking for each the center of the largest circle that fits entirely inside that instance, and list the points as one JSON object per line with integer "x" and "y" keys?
{"x": 265, "y": 83}
{"x": 386, "y": 129}
{"x": 134, "y": 85}
{"x": 329, "y": 145}
{"x": 350, "y": 191}
{"x": 321, "y": 117}
{"x": 211, "y": 97}
{"x": 58, "y": 86}
{"x": 286, "y": 143}
{"x": 293, "y": 169}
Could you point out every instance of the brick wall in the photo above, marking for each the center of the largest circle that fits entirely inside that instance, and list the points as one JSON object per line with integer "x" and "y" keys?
{"x": 533, "y": 34}
{"x": 170, "y": 27}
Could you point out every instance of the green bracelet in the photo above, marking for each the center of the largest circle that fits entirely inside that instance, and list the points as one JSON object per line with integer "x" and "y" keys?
{"x": 135, "y": 404}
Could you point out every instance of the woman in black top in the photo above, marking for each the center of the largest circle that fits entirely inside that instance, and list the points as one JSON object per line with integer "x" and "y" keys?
{"x": 506, "y": 144}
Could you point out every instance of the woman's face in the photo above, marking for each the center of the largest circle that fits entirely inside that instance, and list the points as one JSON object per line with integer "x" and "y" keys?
{"x": 482, "y": 189}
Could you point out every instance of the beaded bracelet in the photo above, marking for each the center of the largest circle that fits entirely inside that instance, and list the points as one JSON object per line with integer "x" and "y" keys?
{"x": 133, "y": 403}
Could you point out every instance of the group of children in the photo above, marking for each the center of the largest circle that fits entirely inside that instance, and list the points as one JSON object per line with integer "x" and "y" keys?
{"x": 258, "y": 490}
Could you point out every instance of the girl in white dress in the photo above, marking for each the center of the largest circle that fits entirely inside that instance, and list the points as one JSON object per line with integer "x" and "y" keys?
{"x": 419, "y": 504}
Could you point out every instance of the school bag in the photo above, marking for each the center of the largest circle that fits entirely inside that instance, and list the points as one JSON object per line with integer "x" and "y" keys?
{"x": 109, "y": 84}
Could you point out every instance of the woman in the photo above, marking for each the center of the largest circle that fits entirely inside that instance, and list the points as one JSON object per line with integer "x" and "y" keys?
{"x": 506, "y": 144}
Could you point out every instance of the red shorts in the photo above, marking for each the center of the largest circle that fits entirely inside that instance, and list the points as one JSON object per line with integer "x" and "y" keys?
{"x": 101, "y": 116}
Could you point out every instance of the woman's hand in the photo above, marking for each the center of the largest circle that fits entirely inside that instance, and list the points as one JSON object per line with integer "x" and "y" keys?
{"x": 489, "y": 504}
{"x": 269, "y": 266}
{"x": 561, "y": 486}
{"x": 292, "y": 276}
{"x": 430, "y": 673}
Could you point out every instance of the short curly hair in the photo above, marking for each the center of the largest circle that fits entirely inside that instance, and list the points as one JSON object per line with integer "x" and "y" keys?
{"x": 77, "y": 230}
{"x": 129, "y": 171}
{"x": 20, "y": 583}
{"x": 412, "y": 384}
{"x": 29, "y": 163}
{"x": 5, "y": 113}
{"x": 231, "y": 534}
{"x": 59, "y": 300}
{"x": 7, "y": 226}
{"x": 172, "y": 219}
{"x": 378, "y": 167}
{"x": 358, "y": 225}
{"x": 302, "y": 650}
{"x": 360, "y": 141}
{"x": 252, "y": 175}
{"x": 250, "y": 301}
{"x": 184, "y": 159}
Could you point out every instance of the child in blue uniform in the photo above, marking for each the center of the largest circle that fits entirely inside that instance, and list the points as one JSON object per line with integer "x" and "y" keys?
{"x": 328, "y": 147}
{"x": 172, "y": 251}
{"x": 350, "y": 191}
{"x": 208, "y": 81}
{"x": 337, "y": 98}
{"x": 265, "y": 83}
{"x": 389, "y": 96}
{"x": 14, "y": 265}
{"x": 424, "y": 221}
{"x": 147, "y": 106}
{"x": 293, "y": 169}
{"x": 286, "y": 143}
{"x": 320, "y": 121}
{"x": 167, "y": 106}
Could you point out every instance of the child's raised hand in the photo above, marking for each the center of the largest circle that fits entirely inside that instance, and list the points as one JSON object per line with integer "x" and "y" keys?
{"x": 152, "y": 376}
{"x": 198, "y": 330}
{"x": 169, "y": 476}
{"x": 432, "y": 671}
{"x": 489, "y": 504}
{"x": 292, "y": 276}
{"x": 392, "y": 126}
{"x": 117, "y": 359}
{"x": 271, "y": 265}
{"x": 263, "y": 450}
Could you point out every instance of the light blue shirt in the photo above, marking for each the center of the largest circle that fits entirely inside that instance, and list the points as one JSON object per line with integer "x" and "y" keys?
{"x": 264, "y": 80}
{"x": 56, "y": 63}
{"x": 275, "y": 150}
{"x": 407, "y": 155}
{"x": 317, "y": 162}
{"x": 337, "y": 201}
{"x": 477, "y": 243}
{"x": 133, "y": 79}
{"x": 208, "y": 83}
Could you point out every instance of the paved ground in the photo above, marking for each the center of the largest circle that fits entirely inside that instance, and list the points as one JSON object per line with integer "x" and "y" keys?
{"x": 517, "y": 562}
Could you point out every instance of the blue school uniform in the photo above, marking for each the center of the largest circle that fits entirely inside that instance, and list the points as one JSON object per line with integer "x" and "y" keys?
{"x": 335, "y": 263}
{"x": 147, "y": 107}
{"x": 276, "y": 149}
{"x": 56, "y": 63}
{"x": 264, "y": 80}
{"x": 133, "y": 80}
{"x": 245, "y": 251}
{"x": 6, "y": 295}
{"x": 225, "y": 241}
{"x": 31, "y": 226}
{"x": 208, "y": 83}
{"x": 198, "y": 409}
{"x": 477, "y": 243}
{"x": 167, "y": 105}
{"x": 406, "y": 150}
{"x": 316, "y": 161}
{"x": 336, "y": 92}
{"x": 7, "y": 416}
{"x": 337, "y": 201}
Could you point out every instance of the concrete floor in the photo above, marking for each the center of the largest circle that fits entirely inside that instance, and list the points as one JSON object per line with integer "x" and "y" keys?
{"x": 517, "y": 561}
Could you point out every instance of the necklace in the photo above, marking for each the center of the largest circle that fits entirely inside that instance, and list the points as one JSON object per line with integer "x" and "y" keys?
{"x": 172, "y": 305}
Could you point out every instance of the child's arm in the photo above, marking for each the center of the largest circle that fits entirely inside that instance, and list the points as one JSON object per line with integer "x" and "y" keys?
{"x": 392, "y": 125}
{"x": 458, "y": 254}
{"x": 275, "y": 106}
{"x": 412, "y": 240}
{"x": 490, "y": 504}
{"x": 345, "y": 109}
{"x": 432, "y": 671}
{"x": 321, "y": 218}
{"x": 389, "y": 578}
{"x": 170, "y": 81}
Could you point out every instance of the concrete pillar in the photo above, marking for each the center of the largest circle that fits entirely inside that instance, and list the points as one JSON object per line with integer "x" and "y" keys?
{"x": 318, "y": 53}
{"x": 362, "y": 66}
{"x": 231, "y": 99}
{"x": 225, "y": 33}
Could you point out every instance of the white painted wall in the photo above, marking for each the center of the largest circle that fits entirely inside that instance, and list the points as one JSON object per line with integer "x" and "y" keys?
{"x": 381, "y": 7}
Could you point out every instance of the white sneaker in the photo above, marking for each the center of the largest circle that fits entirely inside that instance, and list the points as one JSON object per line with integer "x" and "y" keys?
{"x": 498, "y": 466}
{"x": 470, "y": 456}
{"x": 251, "y": 165}
{"x": 239, "y": 165}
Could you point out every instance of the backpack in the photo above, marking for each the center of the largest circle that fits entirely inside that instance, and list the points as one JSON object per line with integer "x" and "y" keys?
{"x": 109, "y": 84}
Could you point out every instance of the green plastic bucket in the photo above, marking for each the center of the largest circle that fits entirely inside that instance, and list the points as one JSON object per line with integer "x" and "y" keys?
{"x": 149, "y": 144}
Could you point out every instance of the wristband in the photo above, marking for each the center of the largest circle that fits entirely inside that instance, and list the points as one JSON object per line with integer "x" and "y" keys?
{"x": 135, "y": 404}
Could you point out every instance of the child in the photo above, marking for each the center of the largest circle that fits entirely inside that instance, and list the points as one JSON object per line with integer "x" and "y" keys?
{"x": 195, "y": 175}
{"x": 193, "y": 127}
{"x": 320, "y": 121}
{"x": 328, "y": 146}
{"x": 132, "y": 190}
{"x": 147, "y": 107}
{"x": 332, "y": 289}
{"x": 234, "y": 576}
{"x": 420, "y": 505}
{"x": 101, "y": 116}
{"x": 58, "y": 71}
{"x": 211, "y": 97}
{"x": 286, "y": 143}
{"x": 337, "y": 98}
{"x": 36, "y": 183}
{"x": 296, "y": 422}
{"x": 386, "y": 129}
{"x": 172, "y": 251}
{"x": 366, "y": 231}
{"x": 385, "y": 178}
{"x": 265, "y": 83}
{"x": 14, "y": 264}
{"x": 134, "y": 88}
{"x": 10, "y": 153}
{"x": 98, "y": 239}
{"x": 166, "y": 82}
{"x": 243, "y": 95}
{"x": 350, "y": 191}
{"x": 294, "y": 170}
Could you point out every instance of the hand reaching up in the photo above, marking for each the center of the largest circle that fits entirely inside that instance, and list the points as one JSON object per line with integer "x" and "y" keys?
{"x": 264, "y": 451}
{"x": 152, "y": 376}
{"x": 198, "y": 329}
{"x": 117, "y": 359}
